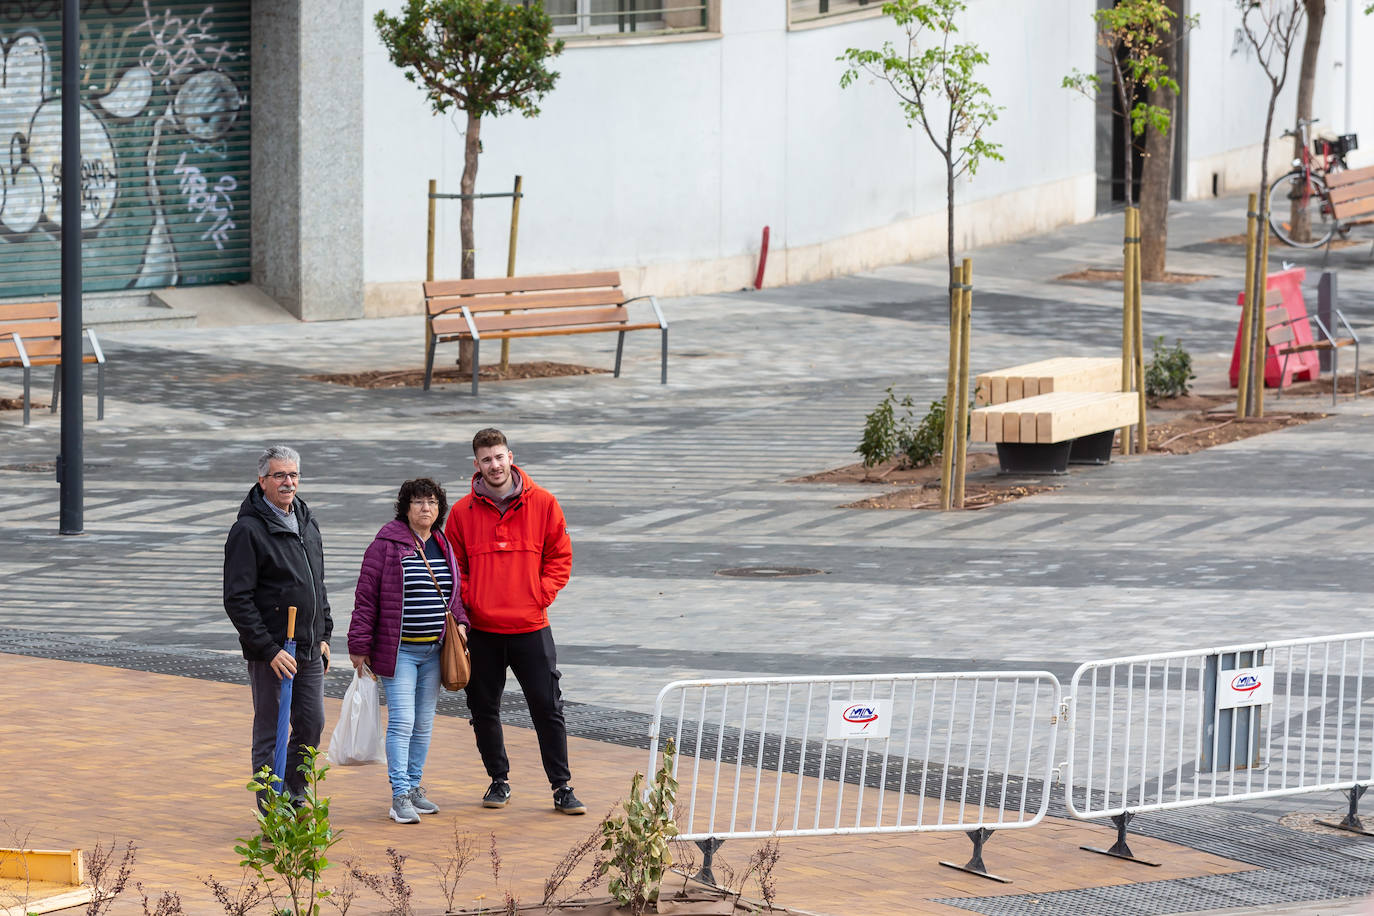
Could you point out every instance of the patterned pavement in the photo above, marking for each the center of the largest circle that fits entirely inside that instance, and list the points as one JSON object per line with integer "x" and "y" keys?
{"x": 665, "y": 485}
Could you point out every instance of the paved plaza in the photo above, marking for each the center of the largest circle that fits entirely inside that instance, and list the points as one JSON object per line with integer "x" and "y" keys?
{"x": 127, "y": 709}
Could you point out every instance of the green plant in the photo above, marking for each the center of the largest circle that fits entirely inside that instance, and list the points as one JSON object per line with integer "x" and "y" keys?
{"x": 638, "y": 840}
{"x": 888, "y": 435}
{"x": 883, "y": 431}
{"x": 486, "y": 57}
{"x": 1169, "y": 372}
{"x": 292, "y": 839}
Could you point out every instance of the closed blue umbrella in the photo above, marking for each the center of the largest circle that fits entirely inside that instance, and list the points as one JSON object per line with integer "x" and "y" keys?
{"x": 284, "y": 703}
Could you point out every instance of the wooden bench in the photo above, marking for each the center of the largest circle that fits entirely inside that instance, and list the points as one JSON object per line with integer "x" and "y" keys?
{"x": 1043, "y": 433}
{"x": 1281, "y": 334}
{"x": 31, "y": 335}
{"x": 1352, "y": 199}
{"x": 510, "y": 307}
{"x": 1063, "y": 373}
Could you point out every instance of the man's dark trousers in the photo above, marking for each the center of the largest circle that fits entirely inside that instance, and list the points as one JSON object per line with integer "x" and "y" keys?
{"x": 533, "y": 659}
{"x": 307, "y": 716}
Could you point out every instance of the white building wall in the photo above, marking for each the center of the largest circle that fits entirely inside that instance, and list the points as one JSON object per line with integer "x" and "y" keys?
{"x": 665, "y": 159}
{"x": 1228, "y": 94}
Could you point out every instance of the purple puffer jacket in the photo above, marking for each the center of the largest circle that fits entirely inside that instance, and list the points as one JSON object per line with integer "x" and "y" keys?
{"x": 375, "y": 630}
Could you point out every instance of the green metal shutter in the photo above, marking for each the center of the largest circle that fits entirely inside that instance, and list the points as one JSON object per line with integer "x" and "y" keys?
{"x": 165, "y": 132}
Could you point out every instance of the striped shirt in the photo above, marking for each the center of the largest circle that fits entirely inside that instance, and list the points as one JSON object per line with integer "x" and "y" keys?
{"x": 422, "y": 614}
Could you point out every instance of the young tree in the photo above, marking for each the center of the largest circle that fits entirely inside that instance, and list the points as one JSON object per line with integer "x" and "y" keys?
{"x": 1299, "y": 218}
{"x": 1271, "y": 27}
{"x": 1137, "y": 39}
{"x": 486, "y": 57}
{"x": 933, "y": 77}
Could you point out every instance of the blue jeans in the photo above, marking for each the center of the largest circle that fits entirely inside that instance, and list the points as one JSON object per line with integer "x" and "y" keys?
{"x": 410, "y": 698}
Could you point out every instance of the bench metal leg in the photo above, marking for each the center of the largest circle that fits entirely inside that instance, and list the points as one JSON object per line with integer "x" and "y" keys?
{"x": 619, "y": 348}
{"x": 27, "y": 372}
{"x": 56, "y": 388}
{"x": 1034, "y": 458}
{"x": 429, "y": 360}
{"x": 663, "y": 373}
{"x": 1094, "y": 449}
{"x": 100, "y": 391}
{"x": 476, "y": 346}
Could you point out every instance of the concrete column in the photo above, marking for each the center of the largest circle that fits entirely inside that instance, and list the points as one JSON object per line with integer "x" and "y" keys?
{"x": 307, "y": 157}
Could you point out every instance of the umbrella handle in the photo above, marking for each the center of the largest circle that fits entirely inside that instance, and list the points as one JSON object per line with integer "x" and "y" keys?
{"x": 291, "y": 622}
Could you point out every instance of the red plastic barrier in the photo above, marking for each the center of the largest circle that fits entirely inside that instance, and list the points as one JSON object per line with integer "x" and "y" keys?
{"x": 1301, "y": 366}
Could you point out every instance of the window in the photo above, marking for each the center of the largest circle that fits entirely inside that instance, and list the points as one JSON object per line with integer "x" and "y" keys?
{"x": 811, "y": 10}
{"x": 572, "y": 18}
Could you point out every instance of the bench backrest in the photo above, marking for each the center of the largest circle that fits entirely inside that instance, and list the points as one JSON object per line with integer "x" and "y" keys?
{"x": 1352, "y": 193}
{"x": 36, "y": 322}
{"x": 1278, "y": 329}
{"x": 499, "y": 294}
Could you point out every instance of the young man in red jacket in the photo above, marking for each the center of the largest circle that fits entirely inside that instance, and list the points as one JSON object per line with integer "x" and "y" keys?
{"x": 512, "y": 546}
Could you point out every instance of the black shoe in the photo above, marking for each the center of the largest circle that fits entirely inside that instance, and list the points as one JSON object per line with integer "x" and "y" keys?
{"x": 564, "y": 800}
{"x": 498, "y": 794}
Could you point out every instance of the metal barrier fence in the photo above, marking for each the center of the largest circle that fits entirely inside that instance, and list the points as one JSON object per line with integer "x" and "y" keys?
{"x": 892, "y": 753}
{"x": 1203, "y": 726}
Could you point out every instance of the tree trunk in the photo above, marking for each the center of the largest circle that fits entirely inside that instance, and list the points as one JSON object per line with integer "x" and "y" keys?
{"x": 1299, "y": 217}
{"x": 472, "y": 146}
{"x": 1156, "y": 180}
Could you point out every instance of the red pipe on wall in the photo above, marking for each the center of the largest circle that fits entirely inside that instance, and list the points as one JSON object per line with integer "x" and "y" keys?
{"x": 763, "y": 260}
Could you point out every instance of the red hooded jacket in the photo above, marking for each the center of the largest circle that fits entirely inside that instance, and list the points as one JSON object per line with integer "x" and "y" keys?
{"x": 513, "y": 565}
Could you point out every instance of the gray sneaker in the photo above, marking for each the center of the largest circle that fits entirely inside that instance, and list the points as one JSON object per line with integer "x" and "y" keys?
{"x": 421, "y": 804}
{"x": 402, "y": 811}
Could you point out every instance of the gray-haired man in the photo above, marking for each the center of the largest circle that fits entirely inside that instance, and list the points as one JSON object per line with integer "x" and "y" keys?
{"x": 274, "y": 559}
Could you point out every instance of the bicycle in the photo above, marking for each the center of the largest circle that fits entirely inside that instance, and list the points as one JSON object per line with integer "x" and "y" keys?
{"x": 1306, "y": 185}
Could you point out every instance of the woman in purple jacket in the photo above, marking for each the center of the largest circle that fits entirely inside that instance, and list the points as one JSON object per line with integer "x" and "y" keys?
{"x": 409, "y": 578}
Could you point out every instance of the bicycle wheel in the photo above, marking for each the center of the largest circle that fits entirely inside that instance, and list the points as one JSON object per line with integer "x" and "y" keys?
{"x": 1310, "y": 194}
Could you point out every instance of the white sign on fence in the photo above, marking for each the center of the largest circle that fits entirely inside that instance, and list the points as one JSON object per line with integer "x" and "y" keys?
{"x": 1245, "y": 687}
{"x": 859, "y": 719}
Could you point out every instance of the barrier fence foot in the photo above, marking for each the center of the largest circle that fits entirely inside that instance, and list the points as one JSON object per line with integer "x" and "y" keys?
{"x": 1120, "y": 849}
{"x": 1351, "y": 822}
{"x": 708, "y": 849}
{"x": 975, "y": 864}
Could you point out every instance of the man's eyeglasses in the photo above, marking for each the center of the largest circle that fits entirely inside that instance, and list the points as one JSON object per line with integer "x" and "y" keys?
{"x": 283, "y": 476}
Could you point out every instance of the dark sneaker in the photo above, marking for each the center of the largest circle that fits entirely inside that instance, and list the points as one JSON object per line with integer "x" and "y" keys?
{"x": 421, "y": 804}
{"x": 564, "y": 800}
{"x": 498, "y": 794}
{"x": 402, "y": 811}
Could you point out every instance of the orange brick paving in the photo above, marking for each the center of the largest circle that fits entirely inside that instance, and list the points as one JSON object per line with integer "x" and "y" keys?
{"x": 100, "y": 754}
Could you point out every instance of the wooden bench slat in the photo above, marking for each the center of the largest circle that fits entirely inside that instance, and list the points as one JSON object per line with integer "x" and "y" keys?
{"x": 451, "y": 304}
{"x": 31, "y": 330}
{"x": 1064, "y": 373}
{"x": 1353, "y": 209}
{"x": 521, "y": 284}
{"x": 1349, "y": 176}
{"x": 1055, "y": 417}
{"x": 554, "y": 332}
{"x": 451, "y": 327}
{"x": 1349, "y": 192}
{"x": 27, "y": 311}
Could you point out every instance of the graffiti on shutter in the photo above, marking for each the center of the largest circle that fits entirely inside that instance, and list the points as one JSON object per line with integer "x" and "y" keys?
{"x": 165, "y": 135}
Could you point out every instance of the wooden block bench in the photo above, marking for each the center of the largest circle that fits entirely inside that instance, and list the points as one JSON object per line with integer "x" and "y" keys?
{"x": 31, "y": 335}
{"x": 509, "y": 307}
{"x": 1043, "y": 433}
{"x": 1063, "y": 373}
{"x": 1352, "y": 199}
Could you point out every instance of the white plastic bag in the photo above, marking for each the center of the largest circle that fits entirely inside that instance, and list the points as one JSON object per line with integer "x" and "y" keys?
{"x": 359, "y": 738}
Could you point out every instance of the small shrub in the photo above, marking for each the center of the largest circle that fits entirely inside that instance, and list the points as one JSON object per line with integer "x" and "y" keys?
{"x": 638, "y": 840}
{"x": 888, "y": 434}
{"x": 292, "y": 841}
{"x": 1169, "y": 372}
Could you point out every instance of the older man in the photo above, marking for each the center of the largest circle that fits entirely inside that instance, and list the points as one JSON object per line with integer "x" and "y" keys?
{"x": 273, "y": 560}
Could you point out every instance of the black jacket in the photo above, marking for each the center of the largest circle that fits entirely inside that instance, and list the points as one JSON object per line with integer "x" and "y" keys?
{"x": 266, "y": 570}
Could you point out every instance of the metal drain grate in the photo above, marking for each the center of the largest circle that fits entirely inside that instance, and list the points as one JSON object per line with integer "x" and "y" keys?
{"x": 767, "y": 572}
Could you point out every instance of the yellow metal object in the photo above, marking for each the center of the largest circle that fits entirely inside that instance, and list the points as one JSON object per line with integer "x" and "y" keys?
{"x": 41, "y": 881}
{"x": 1243, "y": 348}
{"x": 961, "y": 401}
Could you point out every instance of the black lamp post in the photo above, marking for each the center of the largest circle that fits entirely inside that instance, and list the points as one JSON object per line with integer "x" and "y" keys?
{"x": 69, "y": 458}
